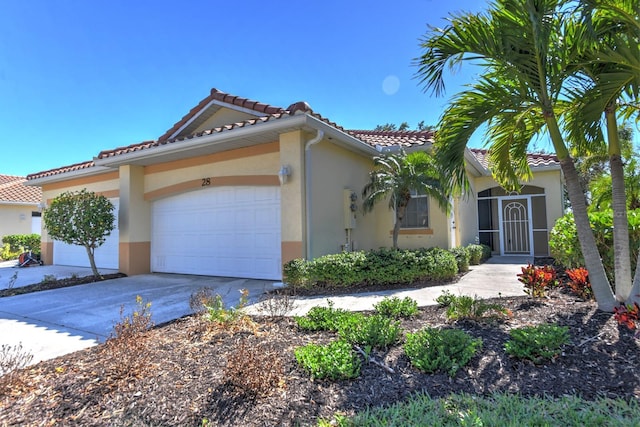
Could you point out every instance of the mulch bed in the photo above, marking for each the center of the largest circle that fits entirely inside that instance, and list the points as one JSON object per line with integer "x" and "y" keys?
{"x": 46, "y": 285}
{"x": 189, "y": 370}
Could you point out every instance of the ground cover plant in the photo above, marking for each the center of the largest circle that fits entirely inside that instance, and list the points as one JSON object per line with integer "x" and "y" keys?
{"x": 201, "y": 372}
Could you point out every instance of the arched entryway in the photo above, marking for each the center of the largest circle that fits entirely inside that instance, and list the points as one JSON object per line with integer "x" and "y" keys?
{"x": 513, "y": 223}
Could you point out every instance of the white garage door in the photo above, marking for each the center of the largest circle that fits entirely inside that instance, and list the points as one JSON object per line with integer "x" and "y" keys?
{"x": 106, "y": 256}
{"x": 218, "y": 231}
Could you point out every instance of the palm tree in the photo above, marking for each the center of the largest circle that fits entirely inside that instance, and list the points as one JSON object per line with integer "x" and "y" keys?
{"x": 608, "y": 77}
{"x": 521, "y": 45}
{"x": 395, "y": 176}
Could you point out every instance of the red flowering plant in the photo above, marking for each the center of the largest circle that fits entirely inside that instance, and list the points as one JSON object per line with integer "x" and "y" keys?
{"x": 627, "y": 314}
{"x": 579, "y": 282}
{"x": 537, "y": 280}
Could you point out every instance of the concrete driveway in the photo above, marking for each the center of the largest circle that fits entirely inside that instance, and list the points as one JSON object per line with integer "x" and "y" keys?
{"x": 60, "y": 321}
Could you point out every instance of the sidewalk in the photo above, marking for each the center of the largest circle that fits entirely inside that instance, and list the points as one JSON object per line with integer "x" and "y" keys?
{"x": 494, "y": 278}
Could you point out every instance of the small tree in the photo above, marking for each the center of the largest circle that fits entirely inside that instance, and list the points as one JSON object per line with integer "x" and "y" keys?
{"x": 393, "y": 178}
{"x": 81, "y": 218}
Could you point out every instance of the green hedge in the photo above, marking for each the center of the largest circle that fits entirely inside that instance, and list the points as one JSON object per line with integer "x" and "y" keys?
{"x": 377, "y": 267}
{"x": 565, "y": 246}
{"x": 15, "y": 244}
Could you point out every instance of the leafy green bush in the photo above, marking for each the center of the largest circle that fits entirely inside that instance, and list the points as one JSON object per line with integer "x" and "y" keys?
{"x": 15, "y": 244}
{"x": 379, "y": 267}
{"x": 466, "y": 307}
{"x": 374, "y": 331}
{"x": 486, "y": 252}
{"x": 475, "y": 253}
{"x": 462, "y": 258}
{"x": 565, "y": 247}
{"x": 396, "y": 307}
{"x": 447, "y": 350}
{"x": 537, "y": 343}
{"x": 335, "y": 361}
{"x": 323, "y": 318}
{"x": 218, "y": 312}
{"x": 445, "y": 299}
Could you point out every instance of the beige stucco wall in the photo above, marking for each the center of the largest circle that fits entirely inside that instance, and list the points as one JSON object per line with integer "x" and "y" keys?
{"x": 467, "y": 216}
{"x": 15, "y": 219}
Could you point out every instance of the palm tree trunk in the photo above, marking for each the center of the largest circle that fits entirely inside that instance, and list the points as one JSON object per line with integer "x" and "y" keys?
{"x": 400, "y": 210}
{"x": 621, "y": 251}
{"x": 597, "y": 276}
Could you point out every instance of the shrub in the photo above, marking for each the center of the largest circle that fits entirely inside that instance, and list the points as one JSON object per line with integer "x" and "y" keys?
{"x": 379, "y": 267}
{"x": 12, "y": 358}
{"x": 200, "y": 299}
{"x": 466, "y": 307}
{"x": 126, "y": 347}
{"x": 374, "y": 331}
{"x": 447, "y": 350}
{"x": 537, "y": 343}
{"x": 254, "y": 369}
{"x": 321, "y": 318}
{"x": 537, "y": 280}
{"x": 445, "y": 299}
{"x": 462, "y": 258}
{"x": 7, "y": 254}
{"x": 275, "y": 305}
{"x": 565, "y": 247}
{"x": 22, "y": 242}
{"x": 627, "y": 314}
{"x": 579, "y": 282}
{"x": 217, "y": 312}
{"x": 476, "y": 253}
{"x": 335, "y": 361}
{"x": 396, "y": 307}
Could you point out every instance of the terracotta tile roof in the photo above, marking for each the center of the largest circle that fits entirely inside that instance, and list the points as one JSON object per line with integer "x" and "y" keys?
{"x": 13, "y": 190}
{"x": 535, "y": 159}
{"x": 60, "y": 170}
{"x": 222, "y": 97}
{"x": 405, "y": 139}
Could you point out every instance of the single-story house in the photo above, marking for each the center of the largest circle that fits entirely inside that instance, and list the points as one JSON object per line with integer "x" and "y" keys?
{"x": 20, "y": 206}
{"x": 237, "y": 188}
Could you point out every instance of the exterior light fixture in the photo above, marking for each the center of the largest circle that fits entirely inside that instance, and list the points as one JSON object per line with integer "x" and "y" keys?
{"x": 284, "y": 173}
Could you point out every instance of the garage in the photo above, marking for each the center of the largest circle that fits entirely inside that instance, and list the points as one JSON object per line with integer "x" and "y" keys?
{"x": 230, "y": 231}
{"x": 106, "y": 256}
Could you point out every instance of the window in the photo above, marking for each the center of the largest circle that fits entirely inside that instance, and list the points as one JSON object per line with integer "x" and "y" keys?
{"x": 417, "y": 213}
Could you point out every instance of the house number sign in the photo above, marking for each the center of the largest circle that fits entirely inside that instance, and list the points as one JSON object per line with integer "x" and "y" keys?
{"x": 206, "y": 182}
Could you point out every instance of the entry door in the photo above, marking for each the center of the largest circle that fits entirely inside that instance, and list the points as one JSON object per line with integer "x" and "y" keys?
{"x": 515, "y": 226}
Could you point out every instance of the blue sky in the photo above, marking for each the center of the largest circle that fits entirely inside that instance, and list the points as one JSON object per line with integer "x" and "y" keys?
{"x": 78, "y": 77}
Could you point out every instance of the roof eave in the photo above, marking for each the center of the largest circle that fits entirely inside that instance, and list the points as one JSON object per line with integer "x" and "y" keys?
{"x": 65, "y": 176}
{"x": 7, "y": 202}
{"x": 473, "y": 162}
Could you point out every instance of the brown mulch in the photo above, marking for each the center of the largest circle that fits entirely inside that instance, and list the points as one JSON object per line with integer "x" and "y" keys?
{"x": 46, "y": 285}
{"x": 189, "y": 370}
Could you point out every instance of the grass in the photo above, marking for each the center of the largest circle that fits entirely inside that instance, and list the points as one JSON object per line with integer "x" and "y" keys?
{"x": 497, "y": 410}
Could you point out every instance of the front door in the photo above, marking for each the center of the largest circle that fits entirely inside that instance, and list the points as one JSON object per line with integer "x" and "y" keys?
{"x": 515, "y": 226}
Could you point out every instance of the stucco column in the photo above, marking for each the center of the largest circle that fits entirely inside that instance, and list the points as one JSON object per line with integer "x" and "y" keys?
{"x": 292, "y": 196}
{"x": 135, "y": 222}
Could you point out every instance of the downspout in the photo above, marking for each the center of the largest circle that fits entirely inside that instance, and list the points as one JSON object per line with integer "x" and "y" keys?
{"x": 307, "y": 183}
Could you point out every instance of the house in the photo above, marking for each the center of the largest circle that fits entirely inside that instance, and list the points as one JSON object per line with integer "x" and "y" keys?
{"x": 19, "y": 206}
{"x": 237, "y": 188}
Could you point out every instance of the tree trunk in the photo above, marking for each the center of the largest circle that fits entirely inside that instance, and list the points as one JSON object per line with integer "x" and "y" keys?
{"x": 400, "y": 210}
{"x": 92, "y": 261}
{"x": 621, "y": 251}
{"x": 593, "y": 262}
{"x": 634, "y": 295}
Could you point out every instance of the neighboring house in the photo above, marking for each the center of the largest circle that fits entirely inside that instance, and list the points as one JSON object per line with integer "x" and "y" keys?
{"x": 237, "y": 188}
{"x": 19, "y": 206}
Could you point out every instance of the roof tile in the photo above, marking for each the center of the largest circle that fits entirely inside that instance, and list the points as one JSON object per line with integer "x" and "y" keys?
{"x": 13, "y": 190}
{"x": 534, "y": 159}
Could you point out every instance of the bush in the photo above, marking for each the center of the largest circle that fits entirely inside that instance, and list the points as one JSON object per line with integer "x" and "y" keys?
{"x": 322, "y": 318}
{"x": 396, "y": 307}
{"x": 447, "y": 350}
{"x": 335, "y": 361}
{"x": 256, "y": 370}
{"x": 462, "y": 258}
{"x": 537, "y": 280}
{"x": 7, "y": 254}
{"x": 565, "y": 247}
{"x": 537, "y": 343}
{"x": 472, "y": 308}
{"x": 23, "y": 242}
{"x": 373, "y": 331}
{"x": 579, "y": 282}
{"x": 379, "y": 267}
{"x": 12, "y": 359}
{"x": 476, "y": 253}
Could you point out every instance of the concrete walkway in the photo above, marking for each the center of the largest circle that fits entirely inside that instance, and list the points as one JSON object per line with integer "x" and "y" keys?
{"x": 56, "y": 322}
{"x": 494, "y": 278}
